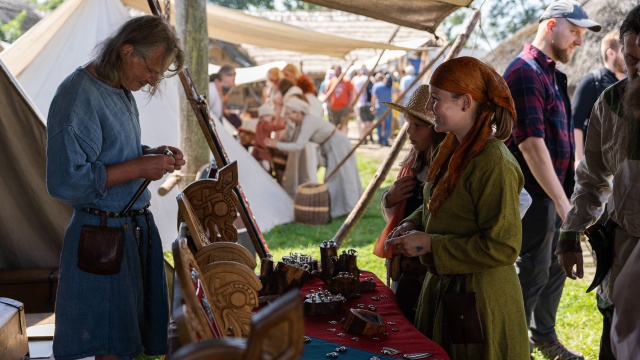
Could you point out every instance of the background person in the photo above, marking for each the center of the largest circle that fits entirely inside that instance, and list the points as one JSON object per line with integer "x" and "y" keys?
{"x": 609, "y": 174}
{"x": 345, "y": 187}
{"x": 467, "y": 231}
{"x": 340, "y": 93}
{"x": 265, "y": 128}
{"x": 543, "y": 144}
{"x": 593, "y": 84}
{"x": 405, "y": 196}
{"x": 219, "y": 83}
{"x": 380, "y": 94}
{"x": 587, "y": 92}
{"x": 95, "y": 163}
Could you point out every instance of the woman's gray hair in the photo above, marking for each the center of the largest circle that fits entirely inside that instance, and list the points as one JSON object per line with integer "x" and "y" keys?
{"x": 146, "y": 34}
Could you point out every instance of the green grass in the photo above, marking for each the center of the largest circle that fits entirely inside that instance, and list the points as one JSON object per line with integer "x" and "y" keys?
{"x": 578, "y": 323}
{"x": 306, "y": 239}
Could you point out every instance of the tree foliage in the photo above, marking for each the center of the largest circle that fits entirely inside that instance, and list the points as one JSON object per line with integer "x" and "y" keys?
{"x": 12, "y": 30}
{"x": 265, "y": 4}
{"x": 500, "y": 18}
{"x": 507, "y": 17}
{"x": 245, "y": 4}
{"x": 45, "y": 5}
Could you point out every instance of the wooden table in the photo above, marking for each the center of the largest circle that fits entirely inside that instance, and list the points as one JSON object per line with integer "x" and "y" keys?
{"x": 407, "y": 338}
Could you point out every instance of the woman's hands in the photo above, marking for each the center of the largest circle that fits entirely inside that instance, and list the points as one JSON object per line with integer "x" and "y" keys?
{"x": 152, "y": 165}
{"x": 155, "y": 164}
{"x": 270, "y": 143}
{"x": 401, "y": 189}
{"x": 412, "y": 243}
{"x": 401, "y": 230}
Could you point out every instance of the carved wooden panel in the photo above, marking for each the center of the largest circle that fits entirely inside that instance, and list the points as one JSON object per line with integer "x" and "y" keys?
{"x": 234, "y": 294}
{"x": 276, "y": 334}
{"x": 214, "y": 203}
{"x": 276, "y": 331}
{"x": 225, "y": 251}
{"x": 196, "y": 320}
{"x": 187, "y": 213}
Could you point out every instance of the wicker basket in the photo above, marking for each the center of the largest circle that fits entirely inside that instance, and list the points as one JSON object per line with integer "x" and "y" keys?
{"x": 311, "y": 205}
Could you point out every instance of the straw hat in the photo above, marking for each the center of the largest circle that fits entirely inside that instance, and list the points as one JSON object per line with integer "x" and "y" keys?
{"x": 416, "y": 104}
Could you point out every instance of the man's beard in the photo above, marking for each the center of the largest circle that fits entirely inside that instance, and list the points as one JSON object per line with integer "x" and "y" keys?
{"x": 631, "y": 98}
{"x": 563, "y": 55}
{"x": 618, "y": 65}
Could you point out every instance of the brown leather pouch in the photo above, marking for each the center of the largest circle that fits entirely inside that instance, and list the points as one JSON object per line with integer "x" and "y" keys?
{"x": 462, "y": 318}
{"x": 100, "y": 249}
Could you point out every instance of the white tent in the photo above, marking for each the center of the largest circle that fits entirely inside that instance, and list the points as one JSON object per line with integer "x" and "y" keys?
{"x": 65, "y": 40}
{"x": 252, "y": 74}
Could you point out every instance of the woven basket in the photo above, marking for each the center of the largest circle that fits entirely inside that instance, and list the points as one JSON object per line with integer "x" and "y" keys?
{"x": 311, "y": 205}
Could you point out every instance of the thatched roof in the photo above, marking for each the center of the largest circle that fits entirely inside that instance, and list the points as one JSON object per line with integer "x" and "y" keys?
{"x": 609, "y": 13}
{"x": 336, "y": 23}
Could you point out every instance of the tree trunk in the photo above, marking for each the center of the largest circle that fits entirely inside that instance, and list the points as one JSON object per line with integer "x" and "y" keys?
{"x": 191, "y": 26}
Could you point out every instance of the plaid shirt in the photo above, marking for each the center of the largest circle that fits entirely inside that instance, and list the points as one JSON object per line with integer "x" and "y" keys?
{"x": 539, "y": 92}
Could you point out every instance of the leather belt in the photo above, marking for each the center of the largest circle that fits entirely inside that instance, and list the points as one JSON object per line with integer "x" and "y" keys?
{"x": 111, "y": 214}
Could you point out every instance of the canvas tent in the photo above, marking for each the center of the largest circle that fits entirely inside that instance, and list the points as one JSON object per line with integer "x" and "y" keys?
{"x": 417, "y": 14}
{"x": 31, "y": 222}
{"x": 251, "y": 74}
{"x": 240, "y": 28}
{"x": 70, "y": 39}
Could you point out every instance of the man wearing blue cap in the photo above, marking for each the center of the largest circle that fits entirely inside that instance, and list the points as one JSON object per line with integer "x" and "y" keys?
{"x": 543, "y": 144}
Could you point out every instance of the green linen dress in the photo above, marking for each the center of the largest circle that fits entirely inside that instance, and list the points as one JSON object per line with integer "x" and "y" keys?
{"x": 477, "y": 233}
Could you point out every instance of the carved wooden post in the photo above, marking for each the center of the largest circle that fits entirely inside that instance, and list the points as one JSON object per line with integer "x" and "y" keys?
{"x": 191, "y": 26}
{"x": 383, "y": 170}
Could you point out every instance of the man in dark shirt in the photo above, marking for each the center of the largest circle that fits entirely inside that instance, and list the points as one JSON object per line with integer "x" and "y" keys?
{"x": 593, "y": 84}
{"x": 543, "y": 144}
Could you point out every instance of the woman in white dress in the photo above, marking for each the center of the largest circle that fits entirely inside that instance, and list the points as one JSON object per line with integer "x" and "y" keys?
{"x": 345, "y": 187}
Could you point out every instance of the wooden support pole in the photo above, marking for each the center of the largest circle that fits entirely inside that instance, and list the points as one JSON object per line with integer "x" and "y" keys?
{"x": 366, "y": 198}
{"x": 343, "y": 122}
{"x": 399, "y": 99}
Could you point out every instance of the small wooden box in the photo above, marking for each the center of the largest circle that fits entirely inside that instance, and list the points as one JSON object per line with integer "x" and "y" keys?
{"x": 13, "y": 330}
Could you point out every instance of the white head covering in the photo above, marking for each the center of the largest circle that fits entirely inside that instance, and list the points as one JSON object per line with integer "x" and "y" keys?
{"x": 265, "y": 109}
{"x": 292, "y": 91}
{"x": 297, "y": 104}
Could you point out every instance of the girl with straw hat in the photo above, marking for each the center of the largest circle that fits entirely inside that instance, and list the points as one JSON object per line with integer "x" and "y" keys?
{"x": 468, "y": 231}
{"x": 405, "y": 196}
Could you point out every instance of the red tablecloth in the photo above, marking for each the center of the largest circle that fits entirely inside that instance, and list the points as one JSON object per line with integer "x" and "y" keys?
{"x": 407, "y": 338}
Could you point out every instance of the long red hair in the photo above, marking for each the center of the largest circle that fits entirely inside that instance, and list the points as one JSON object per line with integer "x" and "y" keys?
{"x": 467, "y": 75}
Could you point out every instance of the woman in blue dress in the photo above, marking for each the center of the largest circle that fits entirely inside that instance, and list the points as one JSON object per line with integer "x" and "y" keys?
{"x": 95, "y": 163}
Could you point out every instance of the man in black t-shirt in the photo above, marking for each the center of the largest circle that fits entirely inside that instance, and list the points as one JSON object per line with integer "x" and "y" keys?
{"x": 593, "y": 84}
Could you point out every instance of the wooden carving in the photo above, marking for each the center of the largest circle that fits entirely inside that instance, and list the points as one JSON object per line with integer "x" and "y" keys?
{"x": 225, "y": 251}
{"x": 195, "y": 318}
{"x": 215, "y": 204}
{"x": 186, "y": 213}
{"x": 234, "y": 294}
{"x": 276, "y": 333}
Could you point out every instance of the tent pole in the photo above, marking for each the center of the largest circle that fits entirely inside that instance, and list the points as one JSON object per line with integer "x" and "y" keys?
{"x": 344, "y": 121}
{"x": 368, "y": 195}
